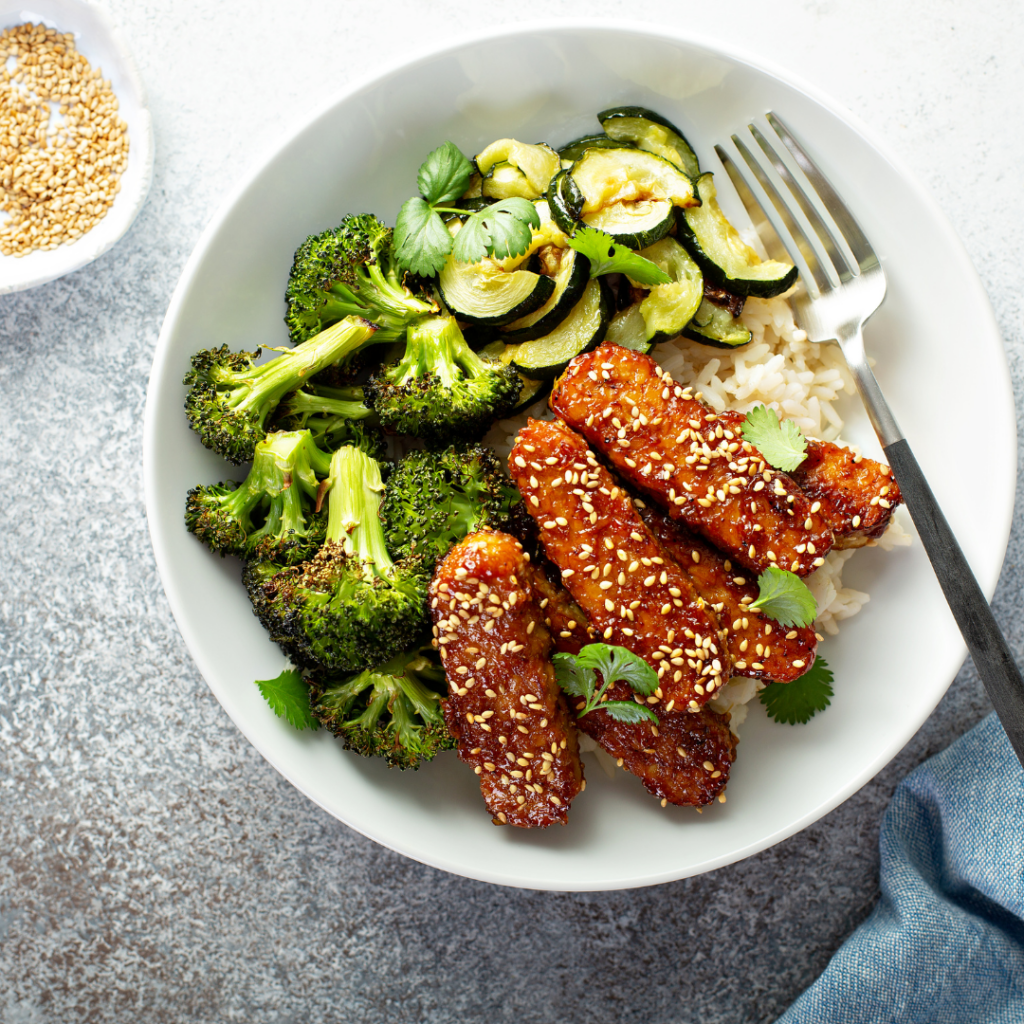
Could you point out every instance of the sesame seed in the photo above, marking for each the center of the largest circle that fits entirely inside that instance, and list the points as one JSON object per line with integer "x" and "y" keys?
{"x": 520, "y": 462}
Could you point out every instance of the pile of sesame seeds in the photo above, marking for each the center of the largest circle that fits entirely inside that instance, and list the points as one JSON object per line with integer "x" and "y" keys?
{"x": 59, "y": 176}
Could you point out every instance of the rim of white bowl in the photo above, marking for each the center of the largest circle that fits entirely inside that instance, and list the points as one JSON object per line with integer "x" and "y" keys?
{"x": 714, "y": 46}
{"x": 85, "y": 250}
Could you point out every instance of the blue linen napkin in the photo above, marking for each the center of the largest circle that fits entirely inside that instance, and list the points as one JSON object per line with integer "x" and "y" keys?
{"x": 945, "y": 945}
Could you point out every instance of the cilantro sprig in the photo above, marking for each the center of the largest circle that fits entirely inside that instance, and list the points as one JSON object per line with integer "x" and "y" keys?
{"x": 784, "y": 597}
{"x": 799, "y": 701}
{"x": 423, "y": 242}
{"x": 782, "y": 444}
{"x": 288, "y": 698}
{"x": 609, "y": 257}
{"x": 576, "y": 675}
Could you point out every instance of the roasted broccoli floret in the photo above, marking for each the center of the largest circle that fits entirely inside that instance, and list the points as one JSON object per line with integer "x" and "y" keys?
{"x": 230, "y": 397}
{"x": 271, "y": 514}
{"x": 393, "y": 711}
{"x": 350, "y": 606}
{"x": 440, "y": 389}
{"x": 434, "y": 498}
{"x": 349, "y": 271}
{"x": 335, "y": 417}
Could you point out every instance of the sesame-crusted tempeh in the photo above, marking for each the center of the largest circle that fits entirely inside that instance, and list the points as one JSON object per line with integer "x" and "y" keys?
{"x": 858, "y": 496}
{"x": 509, "y": 719}
{"x": 758, "y": 646}
{"x": 668, "y": 443}
{"x": 570, "y": 630}
{"x": 631, "y": 590}
{"x": 685, "y": 759}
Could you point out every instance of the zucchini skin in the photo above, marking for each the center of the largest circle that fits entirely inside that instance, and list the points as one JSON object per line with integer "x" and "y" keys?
{"x": 718, "y": 275}
{"x": 575, "y": 149}
{"x": 532, "y": 392}
{"x": 716, "y": 339}
{"x": 565, "y": 202}
{"x": 571, "y": 294}
{"x": 553, "y": 369}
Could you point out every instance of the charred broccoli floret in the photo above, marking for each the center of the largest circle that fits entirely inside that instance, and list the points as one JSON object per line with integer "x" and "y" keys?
{"x": 271, "y": 514}
{"x": 350, "y": 606}
{"x": 440, "y": 389}
{"x": 435, "y": 498}
{"x": 349, "y": 271}
{"x": 334, "y": 416}
{"x": 392, "y": 711}
{"x": 230, "y": 397}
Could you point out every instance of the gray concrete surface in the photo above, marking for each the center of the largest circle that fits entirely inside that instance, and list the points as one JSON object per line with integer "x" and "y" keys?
{"x": 152, "y": 866}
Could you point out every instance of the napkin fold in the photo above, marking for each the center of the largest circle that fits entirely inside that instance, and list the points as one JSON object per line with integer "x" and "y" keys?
{"x": 945, "y": 945}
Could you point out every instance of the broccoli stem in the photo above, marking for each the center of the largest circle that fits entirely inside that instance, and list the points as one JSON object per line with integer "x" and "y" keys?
{"x": 389, "y": 304}
{"x": 260, "y": 389}
{"x": 327, "y": 401}
{"x": 353, "y": 506}
{"x": 436, "y": 346}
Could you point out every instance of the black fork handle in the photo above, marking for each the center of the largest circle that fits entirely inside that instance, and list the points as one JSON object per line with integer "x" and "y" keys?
{"x": 985, "y": 641}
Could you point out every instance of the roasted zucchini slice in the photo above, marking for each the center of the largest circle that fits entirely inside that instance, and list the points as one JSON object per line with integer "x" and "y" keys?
{"x": 565, "y": 201}
{"x": 651, "y": 132}
{"x": 496, "y": 292}
{"x": 723, "y": 255}
{"x": 575, "y": 149}
{"x": 629, "y": 193}
{"x": 570, "y": 271}
{"x": 715, "y": 325}
{"x": 583, "y": 329}
{"x": 628, "y": 330}
{"x": 510, "y": 168}
{"x": 486, "y": 293}
{"x": 668, "y": 308}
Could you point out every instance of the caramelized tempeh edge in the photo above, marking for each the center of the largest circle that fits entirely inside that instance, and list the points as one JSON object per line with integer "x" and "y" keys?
{"x": 509, "y": 719}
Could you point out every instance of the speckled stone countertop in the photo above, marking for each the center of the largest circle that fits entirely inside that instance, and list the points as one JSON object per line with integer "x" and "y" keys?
{"x": 152, "y": 866}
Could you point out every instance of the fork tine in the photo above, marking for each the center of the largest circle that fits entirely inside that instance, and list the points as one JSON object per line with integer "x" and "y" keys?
{"x": 840, "y": 213}
{"x": 804, "y": 251}
{"x": 762, "y": 225}
{"x": 820, "y": 228}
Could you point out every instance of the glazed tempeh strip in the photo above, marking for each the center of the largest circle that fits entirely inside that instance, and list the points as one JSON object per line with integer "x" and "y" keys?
{"x": 685, "y": 759}
{"x": 508, "y": 716}
{"x": 631, "y": 590}
{"x": 672, "y": 446}
{"x": 570, "y": 631}
{"x": 759, "y": 647}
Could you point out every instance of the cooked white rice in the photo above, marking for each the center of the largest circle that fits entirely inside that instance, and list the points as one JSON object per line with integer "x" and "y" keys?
{"x": 800, "y": 379}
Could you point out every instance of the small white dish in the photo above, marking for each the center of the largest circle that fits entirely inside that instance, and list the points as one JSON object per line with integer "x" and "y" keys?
{"x": 99, "y": 42}
{"x": 939, "y": 358}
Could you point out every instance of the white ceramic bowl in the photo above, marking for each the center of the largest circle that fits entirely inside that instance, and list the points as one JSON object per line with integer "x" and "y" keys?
{"x": 892, "y": 663}
{"x": 98, "y": 41}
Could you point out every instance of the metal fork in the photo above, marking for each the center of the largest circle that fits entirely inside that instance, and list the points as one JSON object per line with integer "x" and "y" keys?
{"x": 843, "y": 284}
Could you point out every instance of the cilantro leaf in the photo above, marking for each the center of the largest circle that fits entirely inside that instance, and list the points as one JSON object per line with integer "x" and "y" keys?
{"x": 576, "y": 675}
{"x": 616, "y": 664}
{"x": 288, "y": 698}
{"x": 500, "y": 230}
{"x": 782, "y": 445}
{"x": 608, "y": 257}
{"x": 800, "y": 700}
{"x": 628, "y": 711}
{"x": 444, "y": 175}
{"x": 421, "y": 240}
{"x": 785, "y": 598}
{"x": 573, "y": 678}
